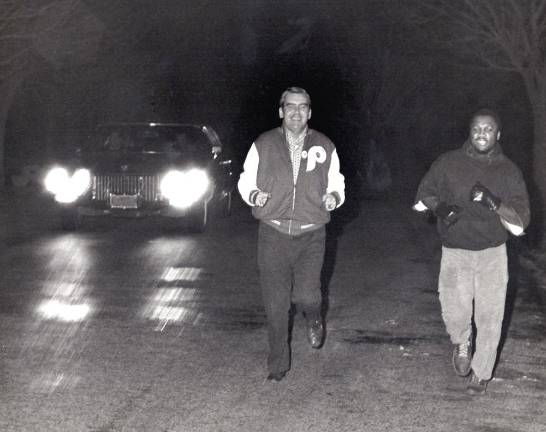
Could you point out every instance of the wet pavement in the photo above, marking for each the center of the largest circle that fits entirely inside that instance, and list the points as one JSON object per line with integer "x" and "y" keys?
{"x": 125, "y": 326}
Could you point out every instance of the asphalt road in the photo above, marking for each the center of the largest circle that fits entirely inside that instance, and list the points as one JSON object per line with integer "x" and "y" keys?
{"x": 125, "y": 326}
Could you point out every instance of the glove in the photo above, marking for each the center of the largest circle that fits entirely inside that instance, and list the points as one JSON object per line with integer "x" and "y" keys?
{"x": 479, "y": 193}
{"x": 448, "y": 213}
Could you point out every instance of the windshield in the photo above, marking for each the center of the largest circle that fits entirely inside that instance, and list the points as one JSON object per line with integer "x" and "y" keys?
{"x": 177, "y": 140}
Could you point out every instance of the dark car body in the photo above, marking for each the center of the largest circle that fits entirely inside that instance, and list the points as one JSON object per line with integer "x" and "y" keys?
{"x": 125, "y": 166}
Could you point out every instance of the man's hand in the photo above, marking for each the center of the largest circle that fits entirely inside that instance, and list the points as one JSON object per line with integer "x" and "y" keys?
{"x": 329, "y": 201}
{"x": 262, "y": 198}
{"x": 448, "y": 213}
{"x": 479, "y": 193}
{"x": 259, "y": 198}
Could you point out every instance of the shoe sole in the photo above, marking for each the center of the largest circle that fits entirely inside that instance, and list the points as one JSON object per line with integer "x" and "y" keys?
{"x": 474, "y": 388}
{"x": 276, "y": 377}
{"x": 474, "y": 391}
{"x": 316, "y": 346}
{"x": 461, "y": 373}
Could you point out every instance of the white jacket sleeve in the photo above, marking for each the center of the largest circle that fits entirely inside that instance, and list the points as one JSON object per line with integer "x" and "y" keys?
{"x": 247, "y": 180}
{"x": 336, "y": 180}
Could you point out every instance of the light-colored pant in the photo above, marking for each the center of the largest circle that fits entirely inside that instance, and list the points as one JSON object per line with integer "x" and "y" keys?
{"x": 475, "y": 282}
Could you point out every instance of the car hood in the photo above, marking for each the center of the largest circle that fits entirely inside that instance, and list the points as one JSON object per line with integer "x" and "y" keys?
{"x": 136, "y": 163}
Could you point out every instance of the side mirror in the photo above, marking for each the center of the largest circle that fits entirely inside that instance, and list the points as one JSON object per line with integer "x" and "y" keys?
{"x": 216, "y": 150}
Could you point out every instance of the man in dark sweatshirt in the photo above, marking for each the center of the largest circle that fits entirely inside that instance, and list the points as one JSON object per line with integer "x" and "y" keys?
{"x": 291, "y": 179}
{"x": 479, "y": 197}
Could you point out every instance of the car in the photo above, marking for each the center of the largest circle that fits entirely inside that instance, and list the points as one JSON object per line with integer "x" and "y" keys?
{"x": 172, "y": 170}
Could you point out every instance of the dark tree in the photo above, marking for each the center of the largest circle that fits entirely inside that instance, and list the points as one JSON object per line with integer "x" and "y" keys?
{"x": 61, "y": 33}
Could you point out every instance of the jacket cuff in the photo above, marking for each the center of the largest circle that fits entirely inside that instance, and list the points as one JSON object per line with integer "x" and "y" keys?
{"x": 252, "y": 196}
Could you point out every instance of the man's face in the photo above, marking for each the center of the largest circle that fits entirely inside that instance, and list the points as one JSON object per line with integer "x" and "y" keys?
{"x": 484, "y": 133}
{"x": 295, "y": 113}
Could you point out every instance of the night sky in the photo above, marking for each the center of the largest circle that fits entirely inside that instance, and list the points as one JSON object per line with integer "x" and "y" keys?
{"x": 225, "y": 63}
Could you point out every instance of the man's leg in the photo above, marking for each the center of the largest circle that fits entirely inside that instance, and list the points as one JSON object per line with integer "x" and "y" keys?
{"x": 456, "y": 289}
{"x": 490, "y": 298}
{"x": 276, "y": 284}
{"x": 456, "y": 293}
{"x": 309, "y": 257}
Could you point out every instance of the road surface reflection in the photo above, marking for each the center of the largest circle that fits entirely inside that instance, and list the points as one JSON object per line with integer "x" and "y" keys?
{"x": 85, "y": 280}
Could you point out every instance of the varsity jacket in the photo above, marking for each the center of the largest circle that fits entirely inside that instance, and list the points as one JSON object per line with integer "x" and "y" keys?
{"x": 292, "y": 208}
{"x": 450, "y": 180}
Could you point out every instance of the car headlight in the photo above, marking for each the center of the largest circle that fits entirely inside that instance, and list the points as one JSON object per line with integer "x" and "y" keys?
{"x": 67, "y": 188}
{"x": 184, "y": 188}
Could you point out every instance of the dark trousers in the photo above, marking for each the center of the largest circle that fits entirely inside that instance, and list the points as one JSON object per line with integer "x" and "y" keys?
{"x": 290, "y": 268}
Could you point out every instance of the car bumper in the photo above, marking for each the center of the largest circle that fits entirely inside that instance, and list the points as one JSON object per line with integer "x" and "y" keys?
{"x": 139, "y": 213}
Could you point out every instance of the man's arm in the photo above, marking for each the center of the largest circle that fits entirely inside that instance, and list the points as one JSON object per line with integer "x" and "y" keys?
{"x": 509, "y": 216}
{"x": 247, "y": 181}
{"x": 336, "y": 180}
{"x": 428, "y": 198}
{"x": 510, "y": 219}
{"x": 428, "y": 195}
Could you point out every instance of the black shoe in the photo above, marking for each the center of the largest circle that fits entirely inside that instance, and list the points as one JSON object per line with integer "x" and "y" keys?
{"x": 476, "y": 386}
{"x": 462, "y": 358}
{"x": 277, "y": 376}
{"x": 315, "y": 333}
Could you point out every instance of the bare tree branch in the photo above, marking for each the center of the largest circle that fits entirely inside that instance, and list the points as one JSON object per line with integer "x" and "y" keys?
{"x": 508, "y": 35}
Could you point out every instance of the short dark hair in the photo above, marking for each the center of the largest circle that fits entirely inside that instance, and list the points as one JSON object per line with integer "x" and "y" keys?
{"x": 482, "y": 112}
{"x": 297, "y": 90}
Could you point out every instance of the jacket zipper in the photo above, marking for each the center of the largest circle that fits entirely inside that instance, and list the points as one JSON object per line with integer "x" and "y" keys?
{"x": 294, "y": 193}
{"x": 293, "y": 207}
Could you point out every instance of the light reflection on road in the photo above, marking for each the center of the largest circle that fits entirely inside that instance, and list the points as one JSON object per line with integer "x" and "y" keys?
{"x": 82, "y": 278}
{"x": 62, "y": 312}
{"x": 177, "y": 293}
{"x": 64, "y": 292}
{"x": 175, "y": 303}
{"x": 181, "y": 274}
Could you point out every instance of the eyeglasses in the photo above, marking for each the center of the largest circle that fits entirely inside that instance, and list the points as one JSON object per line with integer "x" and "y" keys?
{"x": 291, "y": 107}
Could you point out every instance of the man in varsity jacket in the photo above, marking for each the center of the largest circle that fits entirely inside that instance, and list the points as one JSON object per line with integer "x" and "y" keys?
{"x": 291, "y": 179}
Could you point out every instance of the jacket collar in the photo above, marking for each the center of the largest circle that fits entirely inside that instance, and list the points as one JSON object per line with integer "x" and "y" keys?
{"x": 494, "y": 154}
{"x": 282, "y": 131}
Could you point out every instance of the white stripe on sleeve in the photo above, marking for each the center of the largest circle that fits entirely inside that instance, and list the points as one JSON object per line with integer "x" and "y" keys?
{"x": 336, "y": 180}
{"x": 247, "y": 180}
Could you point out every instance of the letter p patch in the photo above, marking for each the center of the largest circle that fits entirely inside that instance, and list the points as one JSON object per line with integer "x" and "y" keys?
{"x": 316, "y": 154}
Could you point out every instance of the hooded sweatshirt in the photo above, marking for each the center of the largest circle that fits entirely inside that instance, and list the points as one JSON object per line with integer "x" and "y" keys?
{"x": 451, "y": 178}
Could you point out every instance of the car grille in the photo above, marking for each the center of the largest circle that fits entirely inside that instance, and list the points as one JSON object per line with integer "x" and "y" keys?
{"x": 146, "y": 187}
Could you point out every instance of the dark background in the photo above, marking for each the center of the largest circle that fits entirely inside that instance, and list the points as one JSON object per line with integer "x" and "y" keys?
{"x": 225, "y": 63}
